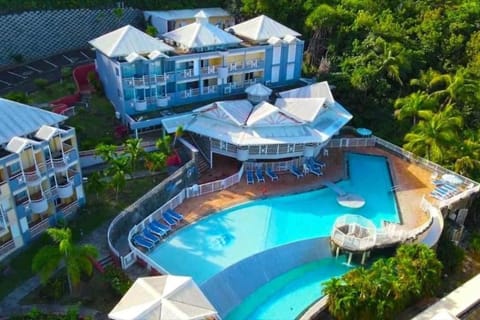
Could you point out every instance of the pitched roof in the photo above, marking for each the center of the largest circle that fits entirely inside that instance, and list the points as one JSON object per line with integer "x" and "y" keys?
{"x": 18, "y": 119}
{"x": 201, "y": 34}
{"x": 306, "y": 109}
{"x": 262, "y": 28}
{"x": 258, "y": 89}
{"x": 126, "y": 40}
{"x": 188, "y": 13}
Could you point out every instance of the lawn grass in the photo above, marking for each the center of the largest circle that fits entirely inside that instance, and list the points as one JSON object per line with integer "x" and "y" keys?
{"x": 94, "y": 214}
{"x": 52, "y": 92}
{"x": 95, "y": 124}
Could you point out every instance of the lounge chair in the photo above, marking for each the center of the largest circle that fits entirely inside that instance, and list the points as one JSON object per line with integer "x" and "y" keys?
{"x": 296, "y": 172}
{"x": 175, "y": 215}
{"x": 271, "y": 174}
{"x": 140, "y": 241}
{"x": 147, "y": 234}
{"x": 156, "y": 231}
{"x": 169, "y": 219}
{"x": 318, "y": 163}
{"x": 259, "y": 175}
{"x": 314, "y": 170}
{"x": 160, "y": 226}
{"x": 250, "y": 179}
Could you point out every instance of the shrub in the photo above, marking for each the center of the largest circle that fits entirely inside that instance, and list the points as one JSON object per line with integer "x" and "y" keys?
{"x": 41, "y": 83}
{"x": 117, "y": 279}
{"x": 18, "y": 96}
{"x": 450, "y": 255}
{"x": 474, "y": 244}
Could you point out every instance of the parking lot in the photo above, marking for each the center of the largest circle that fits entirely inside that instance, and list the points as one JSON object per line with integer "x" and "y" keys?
{"x": 21, "y": 78}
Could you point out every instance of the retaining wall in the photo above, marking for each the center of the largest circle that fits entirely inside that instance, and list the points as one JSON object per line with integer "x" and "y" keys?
{"x": 38, "y": 34}
{"x": 229, "y": 288}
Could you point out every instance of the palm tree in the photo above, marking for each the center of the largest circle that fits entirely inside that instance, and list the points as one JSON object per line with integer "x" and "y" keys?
{"x": 455, "y": 86}
{"x": 163, "y": 144}
{"x": 178, "y": 134}
{"x": 133, "y": 147}
{"x": 155, "y": 161}
{"x": 412, "y": 105}
{"x": 77, "y": 259}
{"x": 95, "y": 183}
{"x": 435, "y": 134}
{"x": 118, "y": 169}
{"x": 467, "y": 156}
{"x": 106, "y": 151}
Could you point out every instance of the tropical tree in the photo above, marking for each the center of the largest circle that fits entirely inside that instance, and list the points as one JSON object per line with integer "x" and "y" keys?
{"x": 106, "y": 151}
{"x": 178, "y": 133}
{"x": 412, "y": 105}
{"x": 155, "y": 161}
{"x": 77, "y": 259}
{"x": 133, "y": 148}
{"x": 96, "y": 183}
{"x": 435, "y": 134}
{"x": 163, "y": 144}
{"x": 117, "y": 171}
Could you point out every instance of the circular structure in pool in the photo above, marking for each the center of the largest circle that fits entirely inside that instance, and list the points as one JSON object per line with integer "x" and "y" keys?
{"x": 350, "y": 200}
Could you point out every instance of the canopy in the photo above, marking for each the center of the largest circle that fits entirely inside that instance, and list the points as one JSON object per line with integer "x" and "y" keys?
{"x": 451, "y": 178}
{"x": 163, "y": 297}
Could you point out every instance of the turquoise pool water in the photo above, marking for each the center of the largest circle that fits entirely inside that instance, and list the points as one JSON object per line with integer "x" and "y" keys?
{"x": 286, "y": 296}
{"x": 220, "y": 240}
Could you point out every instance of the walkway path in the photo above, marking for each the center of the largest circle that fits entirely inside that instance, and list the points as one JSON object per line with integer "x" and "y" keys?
{"x": 335, "y": 188}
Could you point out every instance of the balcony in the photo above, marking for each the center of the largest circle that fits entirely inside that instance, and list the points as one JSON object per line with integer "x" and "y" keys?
{"x": 68, "y": 208}
{"x": 145, "y": 81}
{"x": 140, "y": 105}
{"x": 189, "y": 93}
{"x": 162, "y": 101}
{"x": 254, "y": 64}
{"x": 210, "y": 70}
{"x": 64, "y": 189}
{"x": 235, "y": 66}
{"x": 185, "y": 74}
{"x": 210, "y": 90}
{"x": 38, "y": 203}
{"x": 32, "y": 176}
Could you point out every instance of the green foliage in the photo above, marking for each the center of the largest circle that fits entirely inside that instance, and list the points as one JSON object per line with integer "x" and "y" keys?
{"x": 17, "y": 58}
{"x": 117, "y": 279}
{"x": 77, "y": 259}
{"x": 474, "y": 244}
{"x": 450, "y": 255}
{"x": 151, "y": 30}
{"x": 118, "y": 12}
{"x": 386, "y": 287}
{"x": 19, "y": 96}
{"x": 40, "y": 83}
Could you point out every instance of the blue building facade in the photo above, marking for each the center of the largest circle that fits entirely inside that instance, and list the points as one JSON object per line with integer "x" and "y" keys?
{"x": 139, "y": 85}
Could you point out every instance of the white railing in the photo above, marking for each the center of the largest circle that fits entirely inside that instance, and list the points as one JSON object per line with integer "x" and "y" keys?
{"x": 7, "y": 248}
{"x": 70, "y": 209}
{"x": 39, "y": 228}
{"x": 194, "y": 191}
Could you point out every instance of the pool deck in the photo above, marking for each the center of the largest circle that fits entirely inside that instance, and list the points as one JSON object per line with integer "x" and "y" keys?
{"x": 412, "y": 181}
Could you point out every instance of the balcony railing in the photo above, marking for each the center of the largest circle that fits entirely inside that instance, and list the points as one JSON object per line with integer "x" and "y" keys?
{"x": 185, "y": 74}
{"x": 189, "y": 93}
{"x": 39, "y": 228}
{"x": 7, "y": 248}
{"x": 235, "y": 66}
{"x": 69, "y": 208}
{"x": 32, "y": 176}
{"x": 254, "y": 64}
{"x": 210, "y": 89}
{"x": 39, "y": 204}
{"x": 65, "y": 189}
{"x": 209, "y": 70}
{"x": 147, "y": 80}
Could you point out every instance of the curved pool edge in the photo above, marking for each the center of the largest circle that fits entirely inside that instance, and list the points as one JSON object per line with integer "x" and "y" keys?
{"x": 227, "y": 289}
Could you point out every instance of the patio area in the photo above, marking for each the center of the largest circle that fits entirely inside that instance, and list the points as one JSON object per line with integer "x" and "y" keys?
{"x": 411, "y": 182}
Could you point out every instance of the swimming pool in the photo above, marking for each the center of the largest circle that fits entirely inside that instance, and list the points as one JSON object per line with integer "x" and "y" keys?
{"x": 207, "y": 247}
{"x": 286, "y": 296}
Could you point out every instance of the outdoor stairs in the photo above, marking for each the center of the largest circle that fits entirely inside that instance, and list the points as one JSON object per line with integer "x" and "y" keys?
{"x": 202, "y": 163}
{"x": 105, "y": 261}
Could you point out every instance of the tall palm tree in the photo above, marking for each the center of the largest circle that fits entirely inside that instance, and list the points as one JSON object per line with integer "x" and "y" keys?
{"x": 155, "y": 161}
{"x": 133, "y": 147}
{"x": 467, "y": 156}
{"x": 95, "y": 184}
{"x": 76, "y": 258}
{"x": 163, "y": 144}
{"x": 435, "y": 134}
{"x": 412, "y": 105}
{"x": 118, "y": 170}
{"x": 453, "y": 87}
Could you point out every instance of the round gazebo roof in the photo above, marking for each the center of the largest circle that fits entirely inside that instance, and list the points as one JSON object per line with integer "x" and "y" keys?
{"x": 354, "y": 233}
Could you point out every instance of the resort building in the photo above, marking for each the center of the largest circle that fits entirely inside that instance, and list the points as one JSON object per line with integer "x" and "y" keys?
{"x": 165, "y": 21}
{"x": 194, "y": 63}
{"x": 40, "y": 176}
{"x": 299, "y": 123}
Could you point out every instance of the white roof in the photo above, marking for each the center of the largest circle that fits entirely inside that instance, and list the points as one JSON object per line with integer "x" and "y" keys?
{"x": 122, "y": 42}
{"x": 47, "y": 132}
{"x": 258, "y": 89}
{"x": 201, "y": 34}
{"x": 262, "y": 28}
{"x": 163, "y": 297}
{"x": 316, "y": 90}
{"x": 291, "y": 120}
{"x": 187, "y": 13}
{"x": 18, "y": 119}
{"x": 17, "y": 144}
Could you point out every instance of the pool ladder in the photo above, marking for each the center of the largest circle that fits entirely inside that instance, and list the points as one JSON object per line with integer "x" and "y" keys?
{"x": 395, "y": 188}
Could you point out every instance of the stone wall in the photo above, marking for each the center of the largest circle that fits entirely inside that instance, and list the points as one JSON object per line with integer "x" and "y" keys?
{"x": 37, "y": 34}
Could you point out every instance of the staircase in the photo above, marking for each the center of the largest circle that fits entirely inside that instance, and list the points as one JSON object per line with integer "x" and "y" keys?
{"x": 202, "y": 163}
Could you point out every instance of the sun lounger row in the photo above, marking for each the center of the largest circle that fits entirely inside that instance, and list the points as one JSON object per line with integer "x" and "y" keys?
{"x": 296, "y": 172}
{"x": 250, "y": 175}
{"x": 444, "y": 191}
{"x": 155, "y": 230}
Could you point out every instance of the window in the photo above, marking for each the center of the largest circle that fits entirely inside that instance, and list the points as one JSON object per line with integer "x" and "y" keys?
{"x": 248, "y": 75}
{"x": 229, "y": 79}
{"x": 13, "y": 169}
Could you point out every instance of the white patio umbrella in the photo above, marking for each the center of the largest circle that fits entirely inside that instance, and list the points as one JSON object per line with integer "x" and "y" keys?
{"x": 163, "y": 297}
{"x": 451, "y": 178}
